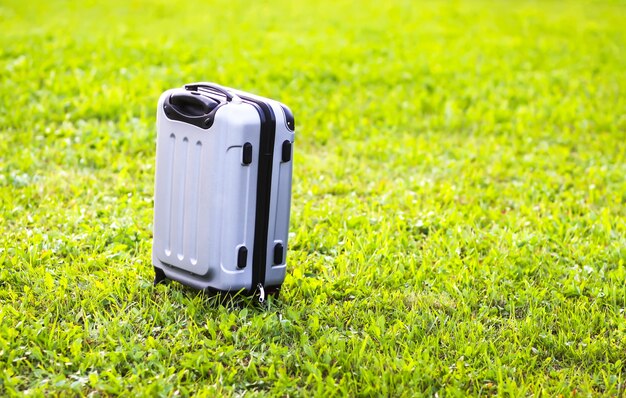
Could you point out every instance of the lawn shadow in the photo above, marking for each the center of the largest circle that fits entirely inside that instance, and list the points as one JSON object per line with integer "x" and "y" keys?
{"x": 215, "y": 299}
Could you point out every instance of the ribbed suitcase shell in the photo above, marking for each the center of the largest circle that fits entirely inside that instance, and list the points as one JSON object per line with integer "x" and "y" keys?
{"x": 207, "y": 200}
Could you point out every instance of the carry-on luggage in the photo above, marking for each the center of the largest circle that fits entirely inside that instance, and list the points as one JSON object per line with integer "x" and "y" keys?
{"x": 222, "y": 189}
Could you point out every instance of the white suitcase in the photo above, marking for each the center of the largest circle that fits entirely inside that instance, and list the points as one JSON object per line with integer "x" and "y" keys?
{"x": 222, "y": 189}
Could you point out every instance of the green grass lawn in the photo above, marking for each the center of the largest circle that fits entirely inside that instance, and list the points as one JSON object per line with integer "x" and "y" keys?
{"x": 459, "y": 199}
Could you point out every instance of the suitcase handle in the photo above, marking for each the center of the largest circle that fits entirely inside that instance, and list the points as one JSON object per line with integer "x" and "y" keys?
{"x": 213, "y": 87}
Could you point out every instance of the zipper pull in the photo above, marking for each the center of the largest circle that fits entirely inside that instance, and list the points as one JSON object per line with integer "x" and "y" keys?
{"x": 261, "y": 293}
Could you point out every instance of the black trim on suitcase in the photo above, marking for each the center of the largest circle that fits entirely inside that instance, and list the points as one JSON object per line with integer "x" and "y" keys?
{"x": 264, "y": 189}
{"x": 242, "y": 257}
{"x": 290, "y": 121}
{"x": 246, "y": 157}
{"x": 286, "y": 151}
{"x": 192, "y": 107}
{"x": 278, "y": 254}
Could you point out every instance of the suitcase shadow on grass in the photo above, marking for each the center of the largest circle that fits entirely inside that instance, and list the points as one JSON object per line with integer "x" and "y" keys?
{"x": 215, "y": 299}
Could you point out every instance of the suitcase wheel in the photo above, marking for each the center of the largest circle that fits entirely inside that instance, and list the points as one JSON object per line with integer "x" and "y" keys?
{"x": 159, "y": 276}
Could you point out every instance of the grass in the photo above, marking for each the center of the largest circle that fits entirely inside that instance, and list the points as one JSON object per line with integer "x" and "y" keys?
{"x": 458, "y": 219}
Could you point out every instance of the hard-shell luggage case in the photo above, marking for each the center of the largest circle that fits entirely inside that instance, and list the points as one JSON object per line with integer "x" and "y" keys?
{"x": 222, "y": 189}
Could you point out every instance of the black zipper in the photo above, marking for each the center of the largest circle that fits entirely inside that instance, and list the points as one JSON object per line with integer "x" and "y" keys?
{"x": 264, "y": 188}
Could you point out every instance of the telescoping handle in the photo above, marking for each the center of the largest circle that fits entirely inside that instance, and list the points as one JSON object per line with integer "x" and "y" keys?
{"x": 230, "y": 97}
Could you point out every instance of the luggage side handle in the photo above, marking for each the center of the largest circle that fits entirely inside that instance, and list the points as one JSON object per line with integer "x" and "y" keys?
{"x": 230, "y": 97}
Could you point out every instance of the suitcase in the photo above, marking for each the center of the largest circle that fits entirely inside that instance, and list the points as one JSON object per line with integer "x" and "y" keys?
{"x": 222, "y": 189}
